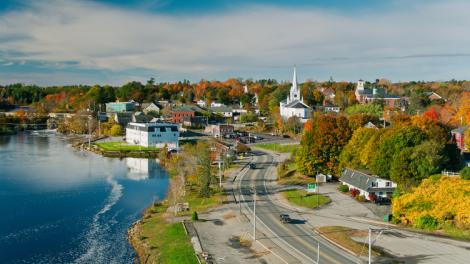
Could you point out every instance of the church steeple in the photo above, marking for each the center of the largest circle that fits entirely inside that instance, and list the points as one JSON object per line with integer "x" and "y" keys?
{"x": 294, "y": 90}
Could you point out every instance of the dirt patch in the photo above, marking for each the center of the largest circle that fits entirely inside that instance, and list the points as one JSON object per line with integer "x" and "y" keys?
{"x": 229, "y": 215}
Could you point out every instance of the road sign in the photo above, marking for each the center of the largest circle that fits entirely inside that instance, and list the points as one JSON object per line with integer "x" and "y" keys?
{"x": 311, "y": 187}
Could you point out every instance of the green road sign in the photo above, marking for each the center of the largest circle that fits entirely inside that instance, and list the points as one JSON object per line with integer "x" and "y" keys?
{"x": 311, "y": 187}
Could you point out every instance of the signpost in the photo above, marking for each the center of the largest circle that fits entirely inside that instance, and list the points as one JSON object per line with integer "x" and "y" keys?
{"x": 311, "y": 187}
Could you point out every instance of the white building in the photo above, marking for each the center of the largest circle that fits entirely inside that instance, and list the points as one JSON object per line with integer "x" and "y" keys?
{"x": 367, "y": 184}
{"x": 201, "y": 103}
{"x": 153, "y": 135}
{"x": 294, "y": 104}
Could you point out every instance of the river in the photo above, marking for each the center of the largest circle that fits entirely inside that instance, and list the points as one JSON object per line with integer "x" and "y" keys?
{"x": 61, "y": 205}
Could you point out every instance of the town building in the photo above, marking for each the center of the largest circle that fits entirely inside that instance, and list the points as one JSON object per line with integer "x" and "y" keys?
{"x": 367, "y": 184}
{"x": 116, "y": 107}
{"x": 201, "y": 103}
{"x": 216, "y": 104}
{"x": 153, "y": 135}
{"x": 195, "y": 121}
{"x": 180, "y": 112}
{"x": 150, "y": 107}
{"x": 220, "y": 130}
{"x": 432, "y": 96}
{"x": 458, "y": 136}
{"x": 222, "y": 111}
{"x": 367, "y": 95}
{"x": 294, "y": 104}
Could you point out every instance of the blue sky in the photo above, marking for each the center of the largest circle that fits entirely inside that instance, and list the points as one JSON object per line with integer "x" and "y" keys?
{"x": 58, "y": 42}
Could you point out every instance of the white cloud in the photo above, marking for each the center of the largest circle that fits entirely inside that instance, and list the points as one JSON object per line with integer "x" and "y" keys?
{"x": 254, "y": 37}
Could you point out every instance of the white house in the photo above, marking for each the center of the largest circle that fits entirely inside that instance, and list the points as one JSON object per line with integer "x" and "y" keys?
{"x": 150, "y": 107}
{"x": 294, "y": 104}
{"x": 222, "y": 110}
{"x": 215, "y": 104}
{"x": 153, "y": 135}
{"x": 201, "y": 103}
{"x": 367, "y": 183}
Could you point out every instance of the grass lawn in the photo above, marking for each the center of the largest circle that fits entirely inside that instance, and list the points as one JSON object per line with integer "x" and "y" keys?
{"x": 123, "y": 146}
{"x": 201, "y": 204}
{"x": 165, "y": 242}
{"x": 284, "y": 148}
{"x": 342, "y": 235}
{"x": 304, "y": 199}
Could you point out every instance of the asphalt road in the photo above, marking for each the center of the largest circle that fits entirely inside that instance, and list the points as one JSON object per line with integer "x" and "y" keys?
{"x": 296, "y": 239}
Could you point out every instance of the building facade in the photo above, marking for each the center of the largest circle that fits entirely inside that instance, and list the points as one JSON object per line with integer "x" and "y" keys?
{"x": 153, "y": 135}
{"x": 116, "y": 107}
{"x": 458, "y": 136}
{"x": 294, "y": 104}
{"x": 367, "y": 95}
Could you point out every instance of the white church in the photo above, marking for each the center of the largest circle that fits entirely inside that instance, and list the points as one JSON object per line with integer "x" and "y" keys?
{"x": 294, "y": 104}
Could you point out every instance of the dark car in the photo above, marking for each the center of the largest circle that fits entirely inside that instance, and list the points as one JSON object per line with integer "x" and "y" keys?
{"x": 285, "y": 136}
{"x": 382, "y": 201}
{"x": 252, "y": 166}
{"x": 285, "y": 218}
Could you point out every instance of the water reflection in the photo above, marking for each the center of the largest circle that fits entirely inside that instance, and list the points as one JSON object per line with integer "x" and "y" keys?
{"x": 141, "y": 169}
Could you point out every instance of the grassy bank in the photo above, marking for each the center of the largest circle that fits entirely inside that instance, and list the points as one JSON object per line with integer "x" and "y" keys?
{"x": 342, "y": 236}
{"x": 156, "y": 240}
{"x": 122, "y": 146}
{"x": 283, "y": 148}
{"x": 304, "y": 199}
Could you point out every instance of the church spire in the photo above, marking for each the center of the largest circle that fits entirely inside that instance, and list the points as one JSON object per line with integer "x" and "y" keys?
{"x": 294, "y": 90}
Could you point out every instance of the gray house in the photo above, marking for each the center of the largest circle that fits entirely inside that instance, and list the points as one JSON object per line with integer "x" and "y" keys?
{"x": 367, "y": 183}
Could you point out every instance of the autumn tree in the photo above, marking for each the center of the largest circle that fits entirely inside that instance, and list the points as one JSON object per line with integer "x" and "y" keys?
{"x": 320, "y": 148}
{"x": 204, "y": 169}
{"x": 351, "y": 153}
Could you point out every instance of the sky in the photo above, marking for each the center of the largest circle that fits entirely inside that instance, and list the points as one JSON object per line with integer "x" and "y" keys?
{"x": 66, "y": 42}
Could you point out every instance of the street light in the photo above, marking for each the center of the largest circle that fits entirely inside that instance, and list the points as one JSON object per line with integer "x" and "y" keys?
{"x": 254, "y": 215}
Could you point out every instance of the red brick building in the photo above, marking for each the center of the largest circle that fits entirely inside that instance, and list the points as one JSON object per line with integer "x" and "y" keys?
{"x": 179, "y": 113}
{"x": 458, "y": 136}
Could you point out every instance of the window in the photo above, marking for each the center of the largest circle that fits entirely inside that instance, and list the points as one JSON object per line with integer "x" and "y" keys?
{"x": 388, "y": 184}
{"x": 374, "y": 184}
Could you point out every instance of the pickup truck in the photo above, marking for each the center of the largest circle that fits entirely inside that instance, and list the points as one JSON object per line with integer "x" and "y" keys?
{"x": 284, "y": 218}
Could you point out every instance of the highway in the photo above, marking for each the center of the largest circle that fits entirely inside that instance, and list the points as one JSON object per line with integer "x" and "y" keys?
{"x": 294, "y": 242}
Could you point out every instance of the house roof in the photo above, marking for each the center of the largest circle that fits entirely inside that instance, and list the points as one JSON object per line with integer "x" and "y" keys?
{"x": 186, "y": 108}
{"x": 360, "y": 179}
{"x": 460, "y": 130}
{"x": 296, "y": 104}
{"x": 221, "y": 109}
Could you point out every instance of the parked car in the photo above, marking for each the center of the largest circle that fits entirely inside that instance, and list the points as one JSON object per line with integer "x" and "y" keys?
{"x": 252, "y": 166}
{"x": 285, "y": 136}
{"x": 382, "y": 201}
{"x": 285, "y": 218}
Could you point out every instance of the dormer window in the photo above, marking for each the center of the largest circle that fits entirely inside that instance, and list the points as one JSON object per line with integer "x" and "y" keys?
{"x": 375, "y": 184}
{"x": 388, "y": 184}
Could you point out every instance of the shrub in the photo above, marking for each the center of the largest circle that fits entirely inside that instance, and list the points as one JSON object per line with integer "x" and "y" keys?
{"x": 354, "y": 192}
{"x": 426, "y": 222}
{"x": 361, "y": 198}
{"x": 372, "y": 197}
{"x": 465, "y": 173}
{"x": 343, "y": 188}
{"x": 195, "y": 217}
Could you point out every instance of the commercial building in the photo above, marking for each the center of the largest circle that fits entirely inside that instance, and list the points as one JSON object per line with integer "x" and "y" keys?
{"x": 153, "y": 135}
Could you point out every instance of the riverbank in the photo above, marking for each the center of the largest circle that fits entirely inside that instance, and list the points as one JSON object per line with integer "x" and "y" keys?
{"x": 159, "y": 236}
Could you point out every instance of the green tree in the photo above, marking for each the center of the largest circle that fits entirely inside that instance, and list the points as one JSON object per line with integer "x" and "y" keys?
{"x": 371, "y": 109}
{"x": 391, "y": 144}
{"x": 204, "y": 169}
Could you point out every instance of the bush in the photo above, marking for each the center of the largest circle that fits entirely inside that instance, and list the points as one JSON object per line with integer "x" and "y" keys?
{"x": 361, "y": 198}
{"x": 343, "y": 188}
{"x": 426, "y": 222}
{"x": 354, "y": 192}
{"x": 195, "y": 217}
{"x": 465, "y": 173}
{"x": 372, "y": 197}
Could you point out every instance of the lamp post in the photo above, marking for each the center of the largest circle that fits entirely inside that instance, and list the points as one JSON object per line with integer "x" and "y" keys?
{"x": 254, "y": 215}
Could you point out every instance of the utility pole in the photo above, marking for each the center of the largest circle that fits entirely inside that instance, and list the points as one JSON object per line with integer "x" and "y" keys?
{"x": 318, "y": 252}
{"x": 89, "y": 133}
{"x": 370, "y": 245}
{"x": 220, "y": 174}
{"x": 254, "y": 216}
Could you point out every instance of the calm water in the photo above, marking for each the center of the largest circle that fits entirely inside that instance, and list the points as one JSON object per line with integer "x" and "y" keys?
{"x": 59, "y": 205}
